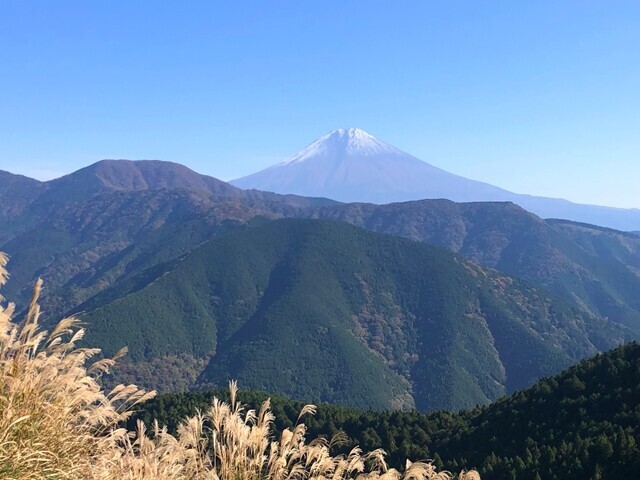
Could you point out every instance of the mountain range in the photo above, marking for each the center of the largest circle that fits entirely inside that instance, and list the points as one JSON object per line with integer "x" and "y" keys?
{"x": 350, "y": 165}
{"x": 375, "y": 320}
{"x": 596, "y": 268}
{"x": 88, "y": 243}
{"x": 114, "y": 241}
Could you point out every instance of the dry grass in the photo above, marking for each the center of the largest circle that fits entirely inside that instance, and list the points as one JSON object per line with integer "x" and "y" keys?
{"x": 57, "y": 422}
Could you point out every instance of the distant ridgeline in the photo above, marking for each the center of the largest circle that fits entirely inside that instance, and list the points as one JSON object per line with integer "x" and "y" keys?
{"x": 581, "y": 424}
{"x": 350, "y": 165}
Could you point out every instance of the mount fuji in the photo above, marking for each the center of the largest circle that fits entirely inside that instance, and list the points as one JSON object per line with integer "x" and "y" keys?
{"x": 350, "y": 165}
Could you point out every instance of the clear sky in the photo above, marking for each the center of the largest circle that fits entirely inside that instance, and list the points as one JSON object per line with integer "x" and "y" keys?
{"x": 539, "y": 97}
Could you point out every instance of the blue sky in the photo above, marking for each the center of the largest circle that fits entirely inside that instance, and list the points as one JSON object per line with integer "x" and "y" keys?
{"x": 537, "y": 97}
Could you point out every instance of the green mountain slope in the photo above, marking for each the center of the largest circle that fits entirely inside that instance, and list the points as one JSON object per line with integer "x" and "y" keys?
{"x": 17, "y": 191}
{"x": 329, "y": 312}
{"x": 113, "y": 219}
{"x": 83, "y": 248}
{"x": 593, "y": 267}
{"x": 109, "y": 222}
{"x": 581, "y": 424}
{"x": 105, "y": 222}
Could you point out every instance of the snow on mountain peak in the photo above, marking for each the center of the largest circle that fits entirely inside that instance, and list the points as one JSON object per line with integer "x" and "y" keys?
{"x": 349, "y": 141}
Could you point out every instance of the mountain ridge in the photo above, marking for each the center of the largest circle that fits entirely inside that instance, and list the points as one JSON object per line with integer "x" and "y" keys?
{"x": 497, "y": 235}
{"x": 595, "y": 267}
{"x": 428, "y": 326}
{"x": 119, "y": 232}
{"x": 338, "y": 167}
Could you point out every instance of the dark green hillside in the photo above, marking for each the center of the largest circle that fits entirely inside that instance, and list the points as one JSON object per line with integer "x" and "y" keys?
{"x": 108, "y": 221}
{"x": 582, "y": 424}
{"x": 329, "y": 312}
{"x": 86, "y": 247}
{"x": 595, "y": 268}
{"x": 113, "y": 219}
{"x": 121, "y": 223}
{"x": 16, "y": 192}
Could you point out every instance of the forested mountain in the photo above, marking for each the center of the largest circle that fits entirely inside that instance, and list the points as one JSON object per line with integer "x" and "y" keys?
{"x": 84, "y": 231}
{"x": 593, "y": 267}
{"x": 117, "y": 222}
{"x": 132, "y": 176}
{"x": 583, "y": 424}
{"x": 32, "y": 202}
{"x": 114, "y": 213}
{"x": 84, "y": 247}
{"x": 16, "y": 192}
{"x": 374, "y": 320}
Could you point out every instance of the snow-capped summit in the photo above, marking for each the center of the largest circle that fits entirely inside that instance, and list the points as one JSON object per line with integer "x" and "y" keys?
{"x": 352, "y": 165}
{"x": 343, "y": 140}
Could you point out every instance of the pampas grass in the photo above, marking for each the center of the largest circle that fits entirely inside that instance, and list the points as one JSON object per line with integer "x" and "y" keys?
{"x": 57, "y": 422}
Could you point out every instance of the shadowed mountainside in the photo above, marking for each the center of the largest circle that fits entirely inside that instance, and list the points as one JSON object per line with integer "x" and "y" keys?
{"x": 596, "y": 268}
{"x": 112, "y": 219}
{"x": 121, "y": 229}
{"x": 102, "y": 223}
{"x": 374, "y": 320}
